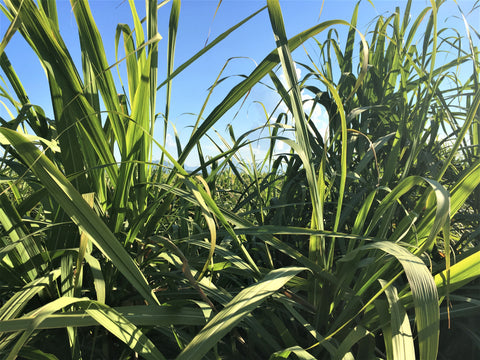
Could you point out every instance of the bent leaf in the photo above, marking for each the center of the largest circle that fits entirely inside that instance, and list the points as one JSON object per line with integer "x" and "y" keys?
{"x": 236, "y": 310}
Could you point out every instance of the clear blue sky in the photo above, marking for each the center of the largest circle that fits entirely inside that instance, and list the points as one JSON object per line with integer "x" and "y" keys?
{"x": 254, "y": 40}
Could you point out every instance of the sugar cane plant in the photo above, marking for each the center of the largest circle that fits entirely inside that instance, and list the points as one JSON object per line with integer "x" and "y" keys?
{"x": 358, "y": 243}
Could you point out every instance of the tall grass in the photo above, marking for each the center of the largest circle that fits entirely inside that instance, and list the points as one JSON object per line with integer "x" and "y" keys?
{"x": 357, "y": 244}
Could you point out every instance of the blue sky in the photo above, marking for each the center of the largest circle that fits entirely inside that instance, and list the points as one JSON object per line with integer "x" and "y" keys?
{"x": 251, "y": 43}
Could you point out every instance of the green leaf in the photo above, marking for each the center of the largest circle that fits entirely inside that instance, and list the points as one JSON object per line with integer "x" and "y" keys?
{"x": 425, "y": 296}
{"x": 302, "y": 354}
{"x": 355, "y": 335}
{"x": 140, "y": 315}
{"x": 20, "y": 299}
{"x": 235, "y": 311}
{"x": 79, "y": 211}
{"x": 402, "y": 339}
{"x": 123, "y": 329}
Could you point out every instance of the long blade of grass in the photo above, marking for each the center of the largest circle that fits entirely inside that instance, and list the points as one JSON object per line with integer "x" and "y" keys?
{"x": 79, "y": 211}
{"x": 124, "y": 330}
{"x": 20, "y": 299}
{"x": 402, "y": 339}
{"x": 39, "y": 316}
{"x": 267, "y": 65}
{"x": 140, "y": 315}
{"x": 152, "y": 32}
{"x": 317, "y": 247}
{"x": 93, "y": 46}
{"x": 111, "y": 319}
{"x": 424, "y": 292}
{"x": 172, "y": 38}
{"x": 235, "y": 311}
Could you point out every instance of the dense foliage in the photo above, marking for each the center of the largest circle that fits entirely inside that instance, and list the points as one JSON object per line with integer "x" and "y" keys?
{"x": 359, "y": 243}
